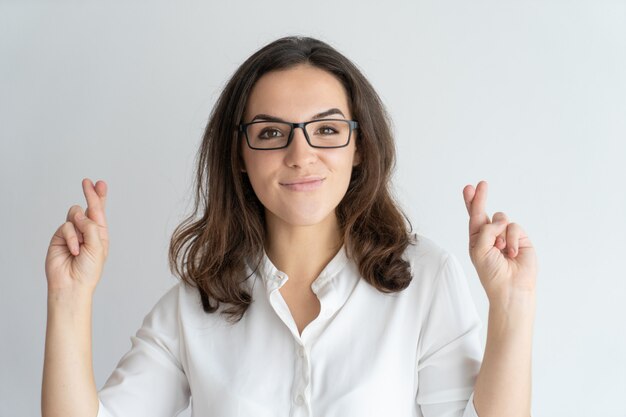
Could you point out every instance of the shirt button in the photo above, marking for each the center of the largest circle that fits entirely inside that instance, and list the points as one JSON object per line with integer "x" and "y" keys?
{"x": 301, "y": 351}
{"x": 299, "y": 399}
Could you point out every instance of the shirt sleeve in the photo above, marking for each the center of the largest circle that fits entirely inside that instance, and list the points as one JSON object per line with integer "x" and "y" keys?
{"x": 449, "y": 349}
{"x": 149, "y": 380}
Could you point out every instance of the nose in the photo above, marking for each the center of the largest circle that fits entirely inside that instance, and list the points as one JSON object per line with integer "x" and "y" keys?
{"x": 299, "y": 152}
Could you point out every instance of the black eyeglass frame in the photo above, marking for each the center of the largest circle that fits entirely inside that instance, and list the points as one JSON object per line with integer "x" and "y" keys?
{"x": 243, "y": 127}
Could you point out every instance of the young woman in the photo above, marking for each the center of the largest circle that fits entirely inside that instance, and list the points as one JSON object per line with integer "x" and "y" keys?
{"x": 303, "y": 289}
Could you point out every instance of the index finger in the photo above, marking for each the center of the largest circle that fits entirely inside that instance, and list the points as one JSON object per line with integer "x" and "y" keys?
{"x": 476, "y": 207}
{"x": 96, "y": 200}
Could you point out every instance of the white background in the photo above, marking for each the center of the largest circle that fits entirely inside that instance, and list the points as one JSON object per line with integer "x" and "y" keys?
{"x": 527, "y": 95}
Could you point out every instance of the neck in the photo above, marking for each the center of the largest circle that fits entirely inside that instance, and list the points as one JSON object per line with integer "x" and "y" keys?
{"x": 302, "y": 252}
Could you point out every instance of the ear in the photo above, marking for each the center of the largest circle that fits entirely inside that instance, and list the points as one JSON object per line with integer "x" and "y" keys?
{"x": 357, "y": 157}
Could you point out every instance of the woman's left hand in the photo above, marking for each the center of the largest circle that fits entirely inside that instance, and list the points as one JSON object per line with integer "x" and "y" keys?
{"x": 501, "y": 252}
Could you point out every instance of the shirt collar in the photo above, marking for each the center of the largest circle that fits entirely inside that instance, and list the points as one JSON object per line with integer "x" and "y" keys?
{"x": 325, "y": 283}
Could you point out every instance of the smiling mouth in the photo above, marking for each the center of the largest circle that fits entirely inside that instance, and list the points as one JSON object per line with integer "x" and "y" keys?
{"x": 303, "y": 180}
{"x": 306, "y": 185}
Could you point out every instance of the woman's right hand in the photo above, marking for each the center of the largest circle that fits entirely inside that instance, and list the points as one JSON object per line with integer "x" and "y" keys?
{"x": 79, "y": 247}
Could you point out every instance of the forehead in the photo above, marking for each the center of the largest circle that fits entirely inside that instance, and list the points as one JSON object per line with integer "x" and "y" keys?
{"x": 296, "y": 94}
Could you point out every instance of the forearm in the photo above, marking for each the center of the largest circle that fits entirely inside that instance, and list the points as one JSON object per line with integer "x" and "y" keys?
{"x": 503, "y": 386}
{"x": 68, "y": 388}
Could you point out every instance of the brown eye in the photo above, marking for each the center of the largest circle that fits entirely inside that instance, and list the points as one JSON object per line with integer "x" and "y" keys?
{"x": 270, "y": 133}
{"x": 327, "y": 130}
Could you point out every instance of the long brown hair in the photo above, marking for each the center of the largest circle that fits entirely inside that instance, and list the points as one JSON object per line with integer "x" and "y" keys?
{"x": 209, "y": 252}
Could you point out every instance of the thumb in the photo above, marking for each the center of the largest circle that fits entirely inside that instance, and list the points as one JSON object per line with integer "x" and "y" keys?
{"x": 488, "y": 235}
{"x": 89, "y": 229}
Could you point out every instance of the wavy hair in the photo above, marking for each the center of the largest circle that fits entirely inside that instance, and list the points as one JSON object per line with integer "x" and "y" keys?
{"x": 209, "y": 248}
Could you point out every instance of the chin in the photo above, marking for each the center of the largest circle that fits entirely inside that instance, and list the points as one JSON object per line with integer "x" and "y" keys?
{"x": 304, "y": 220}
{"x": 309, "y": 218}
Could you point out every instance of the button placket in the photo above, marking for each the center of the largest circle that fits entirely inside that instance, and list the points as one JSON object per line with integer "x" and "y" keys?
{"x": 302, "y": 378}
{"x": 305, "y": 373}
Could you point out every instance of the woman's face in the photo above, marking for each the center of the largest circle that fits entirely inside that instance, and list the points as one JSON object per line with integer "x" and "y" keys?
{"x": 297, "y": 95}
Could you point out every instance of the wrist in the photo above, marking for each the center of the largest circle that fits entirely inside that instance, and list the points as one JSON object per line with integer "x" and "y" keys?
{"x": 514, "y": 302}
{"x": 75, "y": 297}
{"x": 509, "y": 323}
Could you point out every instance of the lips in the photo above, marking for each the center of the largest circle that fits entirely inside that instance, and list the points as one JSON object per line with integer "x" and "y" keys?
{"x": 303, "y": 180}
{"x": 303, "y": 184}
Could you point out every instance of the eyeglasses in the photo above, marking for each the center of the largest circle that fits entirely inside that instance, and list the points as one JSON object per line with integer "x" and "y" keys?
{"x": 321, "y": 133}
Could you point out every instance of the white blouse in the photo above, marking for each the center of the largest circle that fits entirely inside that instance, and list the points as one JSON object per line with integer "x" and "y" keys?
{"x": 412, "y": 353}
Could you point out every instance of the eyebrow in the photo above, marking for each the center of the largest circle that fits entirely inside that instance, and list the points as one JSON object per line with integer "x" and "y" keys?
{"x": 317, "y": 116}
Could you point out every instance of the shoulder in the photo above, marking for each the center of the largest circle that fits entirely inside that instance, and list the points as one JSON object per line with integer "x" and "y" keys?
{"x": 430, "y": 263}
{"x": 184, "y": 304}
{"x": 179, "y": 303}
{"x": 425, "y": 255}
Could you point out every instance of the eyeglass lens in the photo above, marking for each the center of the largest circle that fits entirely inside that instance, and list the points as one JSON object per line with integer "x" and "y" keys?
{"x": 323, "y": 133}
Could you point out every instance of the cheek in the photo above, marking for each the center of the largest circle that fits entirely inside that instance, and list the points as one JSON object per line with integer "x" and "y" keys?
{"x": 260, "y": 173}
{"x": 341, "y": 163}
{"x": 341, "y": 168}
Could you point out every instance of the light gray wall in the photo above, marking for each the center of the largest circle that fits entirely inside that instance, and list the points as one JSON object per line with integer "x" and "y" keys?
{"x": 528, "y": 95}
